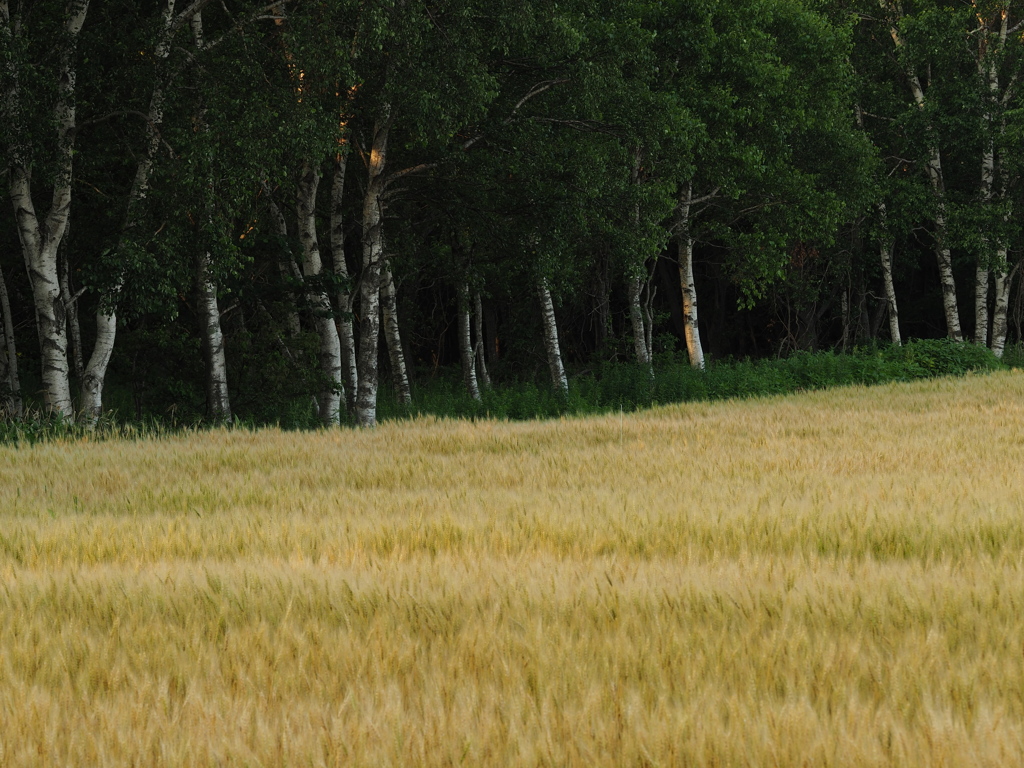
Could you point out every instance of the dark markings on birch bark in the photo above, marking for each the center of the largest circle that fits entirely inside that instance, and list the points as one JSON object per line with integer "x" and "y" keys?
{"x": 885, "y": 253}
{"x": 369, "y": 283}
{"x": 392, "y": 335}
{"x": 551, "y": 347}
{"x": 684, "y": 242}
{"x": 218, "y": 402}
{"x": 480, "y": 345}
{"x": 466, "y": 344}
{"x": 331, "y": 394}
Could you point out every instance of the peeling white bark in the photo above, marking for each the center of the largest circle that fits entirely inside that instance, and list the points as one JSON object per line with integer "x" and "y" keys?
{"x": 323, "y": 315}
{"x": 551, "y": 347}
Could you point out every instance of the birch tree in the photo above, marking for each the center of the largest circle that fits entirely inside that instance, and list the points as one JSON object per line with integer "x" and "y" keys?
{"x": 95, "y": 372}
{"x": 41, "y": 233}
{"x": 323, "y": 314}
{"x": 346, "y": 303}
{"x": 933, "y": 162}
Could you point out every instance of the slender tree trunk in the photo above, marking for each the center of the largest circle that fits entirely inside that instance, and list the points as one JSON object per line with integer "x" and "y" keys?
{"x": 480, "y": 344}
{"x": 685, "y": 242}
{"x": 40, "y": 240}
{"x": 369, "y": 290}
{"x": 1003, "y": 284}
{"x": 389, "y": 310}
{"x": 95, "y": 374}
{"x": 890, "y": 291}
{"x": 466, "y": 344}
{"x": 935, "y": 177}
{"x": 14, "y": 406}
{"x": 942, "y": 252}
{"x": 346, "y": 298}
{"x": 981, "y": 272}
{"x": 218, "y": 403}
{"x": 634, "y": 284}
{"x": 323, "y": 315}
{"x": 554, "y": 353}
{"x": 981, "y": 280}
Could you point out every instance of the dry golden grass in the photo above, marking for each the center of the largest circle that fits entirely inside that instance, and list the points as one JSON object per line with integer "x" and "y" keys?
{"x": 828, "y": 579}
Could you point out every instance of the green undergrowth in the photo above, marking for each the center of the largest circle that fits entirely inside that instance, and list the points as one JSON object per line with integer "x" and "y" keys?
{"x": 628, "y": 387}
{"x": 605, "y": 388}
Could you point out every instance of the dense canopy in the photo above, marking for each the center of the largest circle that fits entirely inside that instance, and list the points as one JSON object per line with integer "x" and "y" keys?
{"x": 266, "y": 210}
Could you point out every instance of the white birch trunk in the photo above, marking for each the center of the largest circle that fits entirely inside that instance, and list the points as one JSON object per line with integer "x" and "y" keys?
{"x": 691, "y": 330}
{"x": 466, "y": 344}
{"x": 40, "y": 240}
{"x": 934, "y": 168}
{"x": 942, "y": 252}
{"x": 95, "y": 373}
{"x": 389, "y": 310}
{"x": 634, "y": 285}
{"x": 981, "y": 279}
{"x": 320, "y": 303}
{"x": 981, "y": 272}
{"x": 885, "y": 252}
{"x": 14, "y": 406}
{"x": 480, "y": 345}
{"x": 885, "y": 249}
{"x": 346, "y": 299}
{"x": 554, "y": 353}
{"x": 218, "y": 402}
{"x": 96, "y": 370}
{"x": 1003, "y": 281}
{"x": 989, "y": 71}
{"x": 369, "y": 286}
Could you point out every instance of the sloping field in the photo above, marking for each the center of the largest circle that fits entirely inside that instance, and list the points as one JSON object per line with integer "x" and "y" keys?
{"x": 828, "y": 579}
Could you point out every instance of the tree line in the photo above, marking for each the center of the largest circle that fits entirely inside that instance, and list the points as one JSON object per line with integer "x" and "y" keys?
{"x": 276, "y": 204}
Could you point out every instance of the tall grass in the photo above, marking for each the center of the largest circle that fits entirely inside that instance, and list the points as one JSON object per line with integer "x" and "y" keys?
{"x": 833, "y": 578}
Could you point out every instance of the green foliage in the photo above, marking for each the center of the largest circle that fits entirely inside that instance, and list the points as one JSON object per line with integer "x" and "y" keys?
{"x": 629, "y": 387}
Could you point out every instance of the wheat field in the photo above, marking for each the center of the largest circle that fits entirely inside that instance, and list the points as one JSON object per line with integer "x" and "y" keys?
{"x": 826, "y": 579}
